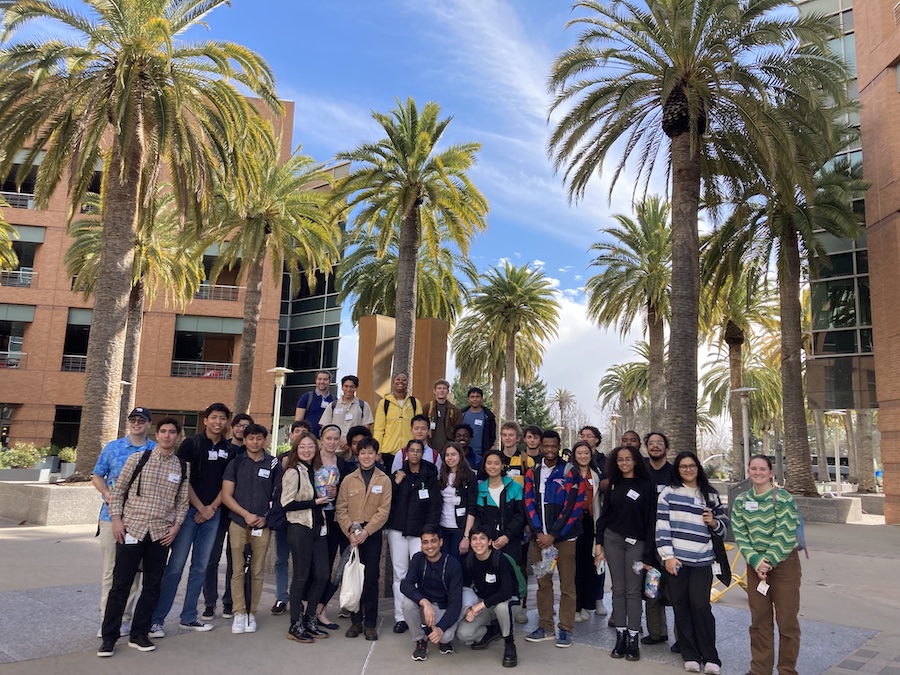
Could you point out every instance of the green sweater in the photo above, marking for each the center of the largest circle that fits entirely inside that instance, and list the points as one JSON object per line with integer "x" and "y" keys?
{"x": 766, "y": 531}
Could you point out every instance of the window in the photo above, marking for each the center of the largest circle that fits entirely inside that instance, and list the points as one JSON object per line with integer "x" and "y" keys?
{"x": 834, "y": 304}
{"x": 66, "y": 425}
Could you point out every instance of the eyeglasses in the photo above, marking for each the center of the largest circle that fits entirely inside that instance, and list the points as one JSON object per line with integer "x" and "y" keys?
{"x": 624, "y": 460}
{"x": 688, "y": 467}
{"x": 138, "y": 420}
{"x": 241, "y": 426}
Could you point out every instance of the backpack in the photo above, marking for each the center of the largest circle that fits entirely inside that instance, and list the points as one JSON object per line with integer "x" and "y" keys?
{"x": 412, "y": 399}
{"x": 521, "y": 583}
{"x": 145, "y": 457}
{"x": 801, "y": 525}
{"x": 362, "y": 407}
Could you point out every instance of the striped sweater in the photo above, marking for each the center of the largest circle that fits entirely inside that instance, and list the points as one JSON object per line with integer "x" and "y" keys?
{"x": 766, "y": 531}
{"x": 680, "y": 530}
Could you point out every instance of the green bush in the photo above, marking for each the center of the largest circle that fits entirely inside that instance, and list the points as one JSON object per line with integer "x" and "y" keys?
{"x": 283, "y": 448}
{"x": 20, "y": 456}
{"x": 68, "y": 455}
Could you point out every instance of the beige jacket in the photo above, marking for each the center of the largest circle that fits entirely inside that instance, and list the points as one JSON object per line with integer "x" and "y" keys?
{"x": 296, "y": 486}
{"x": 356, "y": 504}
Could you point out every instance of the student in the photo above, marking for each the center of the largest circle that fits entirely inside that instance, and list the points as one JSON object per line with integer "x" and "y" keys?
{"x": 661, "y": 473}
{"x": 631, "y": 439}
{"x": 313, "y": 403}
{"x": 416, "y": 502}
{"x": 533, "y": 442}
{"x": 432, "y": 595}
{"x": 362, "y": 510}
{"x": 347, "y": 411}
{"x": 239, "y": 424}
{"x": 442, "y": 416}
{"x": 393, "y": 416}
{"x": 418, "y": 427}
{"x": 593, "y": 437}
{"x": 481, "y": 420}
{"x": 282, "y": 547}
{"x": 585, "y": 570}
{"x": 247, "y": 490}
{"x": 462, "y": 434}
{"x": 208, "y": 453}
{"x": 554, "y": 497}
{"x": 515, "y": 461}
{"x": 104, "y": 476}
{"x": 459, "y": 491}
{"x": 147, "y": 506}
{"x": 493, "y": 578}
{"x": 350, "y": 443}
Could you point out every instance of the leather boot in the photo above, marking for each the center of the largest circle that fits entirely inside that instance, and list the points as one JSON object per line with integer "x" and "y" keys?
{"x": 510, "y": 658}
{"x": 632, "y": 648}
{"x": 311, "y": 624}
{"x": 298, "y": 633}
{"x": 618, "y": 651}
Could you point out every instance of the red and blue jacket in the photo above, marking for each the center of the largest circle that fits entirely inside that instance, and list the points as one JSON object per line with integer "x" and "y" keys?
{"x": 563, "y": 500}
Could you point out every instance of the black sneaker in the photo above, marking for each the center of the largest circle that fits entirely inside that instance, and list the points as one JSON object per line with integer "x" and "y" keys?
{"x": 493, "y": 633}
{"x": 421, "y": 651}
{"x": 446, "y": 648}
{"x": 208, "y": 614}
{"x": 107, "y": 648}
{"x": 279, "y": 607}
{"x": 675, "y": 648}
{"x": 401, "y": 627}
{"x": 227, "y": 612}
{"x": 199, "y": 626}
{"x": 141, "y": 643}
{"x": 510, "y": 658}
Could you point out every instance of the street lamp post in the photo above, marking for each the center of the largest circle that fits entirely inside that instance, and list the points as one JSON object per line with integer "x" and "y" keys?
{"x": 836, "y": 415}
{"x": 745, "y": 419}
{"x": 280, "y": 376}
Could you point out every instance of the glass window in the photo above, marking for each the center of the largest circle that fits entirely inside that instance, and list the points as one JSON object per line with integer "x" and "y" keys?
{"x": 309, "y": 305}
{"x": 821, "y": 6}
{"x": 835, "y": 342}
{"x": 76, "y": 340}
{"x": 306, "y": 334}
{"x": 66, "y": 423}
{"x": 865, "y": 340}
{"x": 834, "y": 304}
{"x": 833, "y": 244}
{"x": 865, "y": 301}
{"x": 840, "y": 265}
{"x": 848, "y": 20}
{"x": 333, "y": 330}
{"x": 862, "y": 262}
{"x": 305, "y": 356}
{"x": 329, "y": 354}
{"x": 850, "y": 52}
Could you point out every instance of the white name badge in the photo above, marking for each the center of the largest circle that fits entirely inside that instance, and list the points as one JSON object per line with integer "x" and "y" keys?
{"x": 348, "y": 417}
{"x": 264, "y": 473}
{"x": 338, "y": 411}
{"x": 591, "y": 482}
{"x": 461, "y": 511}
{"x": 129, "y": 539}
{"x": 762, "y": 588}
{"x": 423, "y": 494}
{"x": 174, "y": 478}
{"x": 324, "y": 404}
{"x": 433, "y": 425}
{"x": 751, "y": 506}
{"x": 513, "y": 472}
{"x": 716, "y": 569}
{"x": 631, "y": 541}
{"x": 223, "y": 454}
{"x": 490, "y": 578}
{"x": 632, "y": 494}
{"x": 376, "y": 489}
{"x": 256, "y": 532}
{"x": 479, "y": 423}
{"x": 213, "y": 456}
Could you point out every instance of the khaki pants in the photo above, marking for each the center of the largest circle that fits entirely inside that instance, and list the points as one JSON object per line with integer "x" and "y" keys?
{"x": 108, "y": 555}
{"x": 238, "y": 536}
{"x": 565, "y": 565}
{"x": 784, "y": 598}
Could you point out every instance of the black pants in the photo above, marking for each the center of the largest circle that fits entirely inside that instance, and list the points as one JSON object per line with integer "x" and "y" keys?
{"x": 211, "y": 583}
{"x": 370, "y": 556}
{"x": 309, "y": 553}
{"x": 151, "y": 556}
{"x": 585, "y": 572}
{"x": 333, "y": 541}
{"x": 689, "y": 591}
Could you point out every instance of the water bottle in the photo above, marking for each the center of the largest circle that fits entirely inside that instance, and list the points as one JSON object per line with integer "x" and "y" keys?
{"x": 356, "y": 528}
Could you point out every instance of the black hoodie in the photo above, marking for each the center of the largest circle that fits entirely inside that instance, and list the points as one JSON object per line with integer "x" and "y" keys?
{"x": 410, "y": 510}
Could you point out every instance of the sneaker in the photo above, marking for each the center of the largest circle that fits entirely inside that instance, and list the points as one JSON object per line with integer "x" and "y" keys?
{"x": 711, "y": 668}
{"x": 691, "y": 667}
{"x": 579, "y": 615}
{"x": 279, "y": 607}
{"x": 107, "y": 648}
{"x": 510, "y": 658}
{"x": 539, "y": 635}
{"x": 599, "y": 609}
{"x": 675, "y": 648}
{"x": 208, "y": 614}
{"x": 650, "y": 640}
{"x": 421, "y": 651}
{"x": 156, "y": 631}
{"x": 492, "y": 633}
{"x": 354, "y": 630}
{"x": 345, "y": 614}
{"x": 125, "y": 629}
{"x": 446, "y": 648}
{"x": 565, "y": 639}
{"x": 198, "y": 626}
{"x": 521, "y": 615}
{"x": 239, "y": 625}
{"x": 100, "y": 632}
{"x": 251, "y": 624}
{"x": 141, "y": 643}
{"x": 227, "y": 612}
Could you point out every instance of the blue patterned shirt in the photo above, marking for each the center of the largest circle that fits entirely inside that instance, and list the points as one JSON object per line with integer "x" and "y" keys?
{"x": 111, "y": 461}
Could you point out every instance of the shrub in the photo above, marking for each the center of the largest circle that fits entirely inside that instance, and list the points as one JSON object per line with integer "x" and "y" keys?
{"x": 68, "y": 455}
{"x": 20, "y": 456}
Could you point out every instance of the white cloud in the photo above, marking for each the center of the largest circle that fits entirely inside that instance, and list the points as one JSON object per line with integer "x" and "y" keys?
{"x": 538, "y": 263}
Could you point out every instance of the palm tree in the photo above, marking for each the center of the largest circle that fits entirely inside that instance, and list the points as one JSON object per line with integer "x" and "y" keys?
{"x": 511, "y": 301}
{"x": 443, "y": 281}
{"x": 124, "y": 90}
{"x": 404, "y": 179}
{"x": 8, "y": 258}
{"x": 680, "y": 76}
{"x": 165, "y": 260}
{"x": 282, "y": 213}
{"x": 627, "y": 385}
{"x": 565, "y": 402}
{"x": 635, "y": 281}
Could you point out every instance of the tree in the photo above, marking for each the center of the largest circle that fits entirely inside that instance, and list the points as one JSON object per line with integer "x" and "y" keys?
{"x": 403, "y": 181}
{"x": 442, "y": 281}
{"x": 283, "y": 214}
{"x": 8, "y": 258}
{"x": 627, "y": 387}
{"x": 513, "y": 301}
{"x": 565, "y": 403}
{"x": 694, "y": 79}
{"x": 123, "y": 90}
{"x": 635, "y": 281}
{"x": 531, "y": 405}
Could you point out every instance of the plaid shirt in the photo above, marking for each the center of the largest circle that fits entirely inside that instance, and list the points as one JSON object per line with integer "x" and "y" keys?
{"x": 157, "y": 499}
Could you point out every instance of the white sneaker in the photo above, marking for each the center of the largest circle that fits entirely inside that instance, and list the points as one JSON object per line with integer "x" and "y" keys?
{"x": 521, "y": 615}
{"x": 156, "y": 631}
{"x": 579, "y": 616}
{"x": 599, "y": 609}
{"x": 711, "y": 668}
{"x": 125, "y": 629}
{"x": 239, "y": 625}
{"x": 692, "y": 666}
{"x": 251, "y": 624}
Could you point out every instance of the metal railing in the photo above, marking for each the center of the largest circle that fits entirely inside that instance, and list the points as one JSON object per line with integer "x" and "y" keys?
{"x": 218, "y": 292}
{"x": 73, "y": 363}
{"x": 12, "y": 359}
{"x": 18, "y": 278}
{"x": 203, "y": 369}
{"x": 18, "y": 200}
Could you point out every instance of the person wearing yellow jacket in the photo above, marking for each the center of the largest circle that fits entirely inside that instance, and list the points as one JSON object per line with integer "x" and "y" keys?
{"x": 393, "y": 416}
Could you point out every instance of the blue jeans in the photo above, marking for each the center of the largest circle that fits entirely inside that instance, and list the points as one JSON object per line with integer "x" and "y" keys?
{"x": 282, "y": 551}
{"x": 201, "y": 538}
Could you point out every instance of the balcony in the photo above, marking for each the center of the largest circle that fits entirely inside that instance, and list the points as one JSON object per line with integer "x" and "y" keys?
{"x": 73, "y": 363}
{"x": 21, "y": 278}
{"x": 218, "y": 292}
{"x": 203, "y": 369}
{"x": 18, "y": 200}
{"x": 12, "y": 360}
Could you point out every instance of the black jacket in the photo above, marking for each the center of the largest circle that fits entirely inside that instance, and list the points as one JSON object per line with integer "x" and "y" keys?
{"x": 409, "y": 512}
{"x": 489, "y": 434}
{"x": 501, "y": 588}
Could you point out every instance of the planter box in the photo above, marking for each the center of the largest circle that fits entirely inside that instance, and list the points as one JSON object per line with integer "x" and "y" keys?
{"x": 830, "y": 510}
{"x": 50, "y": 504}
{"x": 49, "y": 462}
{"x": 66, "y": 469}
{"x": 30, "y": 475}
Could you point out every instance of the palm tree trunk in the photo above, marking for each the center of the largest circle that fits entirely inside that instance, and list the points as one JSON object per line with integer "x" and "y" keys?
{"x": 106, "y": 345}
{"x": 852, "y": 464}
{"x": 796, "y": 439}
{"x": 656, "y": 333}
{"x": 407, "y": 268}
{"x": 865, "y": 443}
{"x": 496, "y": 385}
{"x": 681, "y": 381}
{"x": 509, "y": 407}
{"x": 734, "y": 338}
{"x": 252, "y": 305}
{"x": 132, "y": 353}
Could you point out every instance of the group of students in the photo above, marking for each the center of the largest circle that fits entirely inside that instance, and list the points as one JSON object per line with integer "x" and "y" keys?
{"x": 463, "y": 527}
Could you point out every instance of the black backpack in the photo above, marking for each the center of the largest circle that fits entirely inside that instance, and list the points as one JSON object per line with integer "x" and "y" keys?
{"x": 276, "y": 518}
{"x": 412, "y": 399}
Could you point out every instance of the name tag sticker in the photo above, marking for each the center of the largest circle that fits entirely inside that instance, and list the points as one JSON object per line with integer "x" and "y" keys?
{"x": 513, "y": 472}
{"x": 751, "y": 506}
{"x": 129, "y": 539}
{"x": 479, "y": 423}
{"x": 213, "y": 455}
{"x": 376, "y": 489}
{"x": 433, "y": 425}
{"x": 423, "y": 494}
{"x": 323, "y": 531}
{"x": 324, "y": 404}
{"x": 716, "y": 569}
{"x": 631, "y": 541}
{"x": 174, "y": 478}
{"x": 660, "y": 488}
{"x": 461, "y": 511}
{"x": 591, "y": 482}
{"x": 264, "y": 473}
{"x": 762, "y": 588}
{"x": 256, "y": 532}
{"x": 632, "y": 494}
{"x": 348, "y": 417}
{"x": 490, "y": 578}
{"x": 223, "y": 454}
